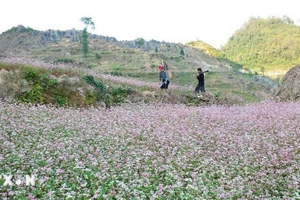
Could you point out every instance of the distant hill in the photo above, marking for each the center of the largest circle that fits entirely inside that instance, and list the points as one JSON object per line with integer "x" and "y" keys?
{"x": 268, "y": 46}
{"x": 206, "y": 48}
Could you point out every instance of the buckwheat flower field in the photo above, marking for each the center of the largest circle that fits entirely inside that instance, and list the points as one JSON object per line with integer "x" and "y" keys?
{"x": 157, "y": 151}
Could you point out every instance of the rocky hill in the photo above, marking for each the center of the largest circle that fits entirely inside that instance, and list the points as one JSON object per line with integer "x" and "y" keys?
{"x": 54, "y": 44}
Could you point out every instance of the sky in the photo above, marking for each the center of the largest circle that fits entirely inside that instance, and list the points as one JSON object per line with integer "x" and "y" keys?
{"x": 178, "y": 21}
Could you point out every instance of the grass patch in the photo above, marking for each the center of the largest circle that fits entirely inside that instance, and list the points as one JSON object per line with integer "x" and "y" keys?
{"x": 246, "y": 96}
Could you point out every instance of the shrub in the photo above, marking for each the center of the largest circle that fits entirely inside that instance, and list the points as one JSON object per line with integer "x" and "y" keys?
{"x": 47, "y": 82}
{"x": 35, "y": 95}
{"x": 91, "y": 97}
{"x": 119, "y": 94}
{"x": 100, "y": 87}
{"x": 97, "y": 55}
{"x": 60, "y": 100}
{"x": 31, "y": 74}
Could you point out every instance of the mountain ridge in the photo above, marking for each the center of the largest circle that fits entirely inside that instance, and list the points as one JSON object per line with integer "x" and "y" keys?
{"x": 19, "y": 40}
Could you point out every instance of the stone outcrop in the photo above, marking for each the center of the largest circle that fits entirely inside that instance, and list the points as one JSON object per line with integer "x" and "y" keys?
{"x": 10, "y": 84}
{"x": 56, "y": 35}
{"x": 289, "y": 89}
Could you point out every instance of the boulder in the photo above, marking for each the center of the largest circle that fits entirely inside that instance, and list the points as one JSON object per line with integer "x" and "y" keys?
{"x": 20, "y": 28}
{"x": 289, "y": 89}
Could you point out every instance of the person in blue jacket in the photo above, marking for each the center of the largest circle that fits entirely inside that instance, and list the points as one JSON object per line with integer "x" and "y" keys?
{"x": 163, "y": 78}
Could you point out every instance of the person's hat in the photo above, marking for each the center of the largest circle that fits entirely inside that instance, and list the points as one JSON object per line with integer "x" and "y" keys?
{"x": 161, "y": 67}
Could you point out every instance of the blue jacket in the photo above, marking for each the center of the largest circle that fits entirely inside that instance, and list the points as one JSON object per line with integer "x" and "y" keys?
{"x": 163, "y": 76}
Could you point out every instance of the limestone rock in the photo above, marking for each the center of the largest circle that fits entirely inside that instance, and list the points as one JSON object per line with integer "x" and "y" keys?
{"x": 289, "y": 89}
{"x": 20, "y": 28}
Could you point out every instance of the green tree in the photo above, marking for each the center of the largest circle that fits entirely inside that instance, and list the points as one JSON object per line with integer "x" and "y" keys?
{"x": 84, "y": 42}
{"x": 156, "y": 50}
{"x": 84, "y": 37}
{"x": 140, "y": 42}
{"x": 181, "y": 51}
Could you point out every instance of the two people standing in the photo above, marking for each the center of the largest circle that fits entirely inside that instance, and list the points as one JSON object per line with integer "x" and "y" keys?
{"x": 164, "y": 80}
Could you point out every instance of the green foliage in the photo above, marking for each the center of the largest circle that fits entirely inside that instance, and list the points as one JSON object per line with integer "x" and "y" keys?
{"x": 97, "y": 55}
{"x": 84, "y": 37}
{"x": 114, "y": 95}
{"x": 47, "y": 82}
{"x": 60, "y": 100}
{"x": 181, "y": 51}
{"x": 45, "y": 89}
{"x": 35, "y": 95}
{"x": 100, "y": 87}
{"x": 119, "y": 94}
{"x": 31, "y": 74}
{"x": 273, "y": 43}
{"x": 41, "y": 83}
{"x": 35, "y": 75}
{"x": 108, "y": 100}
{"x": 140, "y": 42}
{"x": 88, "y": 22}
{"x": 84, "y": 42}
{"x": 91, "y": 97}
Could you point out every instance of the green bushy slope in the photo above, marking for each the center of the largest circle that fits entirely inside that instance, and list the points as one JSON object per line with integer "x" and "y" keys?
{"x": 268, "y": 46}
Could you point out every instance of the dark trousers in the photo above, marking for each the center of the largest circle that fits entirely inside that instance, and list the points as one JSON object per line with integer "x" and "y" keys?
{"x": 165, "y": 84}
{"x": 199, "y": 87}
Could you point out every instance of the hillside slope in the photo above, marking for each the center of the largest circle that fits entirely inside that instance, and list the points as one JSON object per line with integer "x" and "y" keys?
{"x": 136, "y": 59}
{"x": 54, "y": 45}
